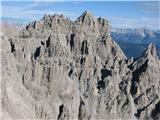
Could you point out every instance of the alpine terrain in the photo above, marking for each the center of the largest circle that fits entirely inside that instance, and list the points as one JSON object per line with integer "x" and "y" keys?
{"x": 56, "y": 68}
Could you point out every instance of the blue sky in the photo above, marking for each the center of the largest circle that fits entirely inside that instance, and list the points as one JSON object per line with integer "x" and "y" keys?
{"x": 122, "y": 14}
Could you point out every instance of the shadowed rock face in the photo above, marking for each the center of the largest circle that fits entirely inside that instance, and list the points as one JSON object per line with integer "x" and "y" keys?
{"x": 145, "y": 83}
{"x": 74, "y": 70}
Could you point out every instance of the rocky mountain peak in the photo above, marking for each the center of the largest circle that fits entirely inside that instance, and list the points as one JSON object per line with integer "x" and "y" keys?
{"x": 46, "y": 16}
{"x": 151, "y": 51}
{"x": 86, "y": 18}
{"x": 87, "y": 13}
{"x": 63, "y": 69}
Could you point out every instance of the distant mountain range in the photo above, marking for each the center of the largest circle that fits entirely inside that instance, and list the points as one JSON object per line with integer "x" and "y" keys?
{"x": 134, "y": 41}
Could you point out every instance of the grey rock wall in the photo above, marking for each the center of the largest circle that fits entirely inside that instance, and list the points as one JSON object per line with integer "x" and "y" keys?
{"x": 63, "y": 69}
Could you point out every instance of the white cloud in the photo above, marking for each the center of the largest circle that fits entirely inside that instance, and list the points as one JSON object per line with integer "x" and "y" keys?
{"x": 29, "y": 12}
{"x": 32, "y": 5}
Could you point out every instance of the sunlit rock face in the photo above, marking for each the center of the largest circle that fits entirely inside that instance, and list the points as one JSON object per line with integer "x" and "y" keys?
{"x": 63, "y": 69}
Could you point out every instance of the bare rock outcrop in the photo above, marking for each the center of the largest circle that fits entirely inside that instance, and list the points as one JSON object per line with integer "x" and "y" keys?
{"x": 74, "y": 70}
{"x": 16, "y": 101}
{"x": 145, "y": 86}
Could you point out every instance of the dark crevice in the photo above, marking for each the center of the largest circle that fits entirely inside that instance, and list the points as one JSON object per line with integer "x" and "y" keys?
{"x": 23, "y": 79}
{"x": 104, "y": 73}
{"x": 37, "y": 53}
{"x": 113, "y": 50}
{"x": 27, "y": 27}
{"x": 95, "y": 70}
{"x": 136, "y": 99}
{"x": 34, "y": 24}
{"x": 60, "y": 111}
{"x": 139, "y": 111}
{"x": 84, "y": 48}
{"x": 70, "y": 72}
{"x": 42, "y": 43}
{"x": 12, "y": 47}
{"x": 67, "y": 39}
{"x": 48, "y": 42}
{"x": 95, "y": 59}
{"x": 131, "y": 67}
{"x": 48, "y": 74}
{"x": 58, "y": 21}
{"x": 82, "y": 60}
{"x": 48, "y": 46}
{"x": 135, "y": 77}
{"x": 81, "y": 113}
{"x": 103, "y": 41}
{"x": 80, "y": 74}
{"x": 139, "y": 71}
{"x": 23, "y": 49}
{"x": 134, "y": 88}
{"x": 72, "y": 41}
{"x": 83, "y": 18}
{"x": 156, "y": 111}
{"x": 101, "y": 84}
{"x": 123, "y": 86}
{"x": 49, "y": 52}
{"x": 120, "y": 62}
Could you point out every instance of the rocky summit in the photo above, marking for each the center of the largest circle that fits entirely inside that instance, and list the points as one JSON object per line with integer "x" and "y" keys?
{"x": 56, "y": 68}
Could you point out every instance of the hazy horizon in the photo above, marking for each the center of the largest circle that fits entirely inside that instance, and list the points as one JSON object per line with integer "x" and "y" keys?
{"x": 121, "y": 14}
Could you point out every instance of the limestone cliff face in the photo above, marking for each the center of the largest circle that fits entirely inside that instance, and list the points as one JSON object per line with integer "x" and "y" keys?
{"x": 74, "y": 70}
{"x": 16, "y": 101}
{"x": 145, "y": 86}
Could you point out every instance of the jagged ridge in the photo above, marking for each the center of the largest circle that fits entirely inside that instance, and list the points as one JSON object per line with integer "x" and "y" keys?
{"x": 74, "y": 70}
